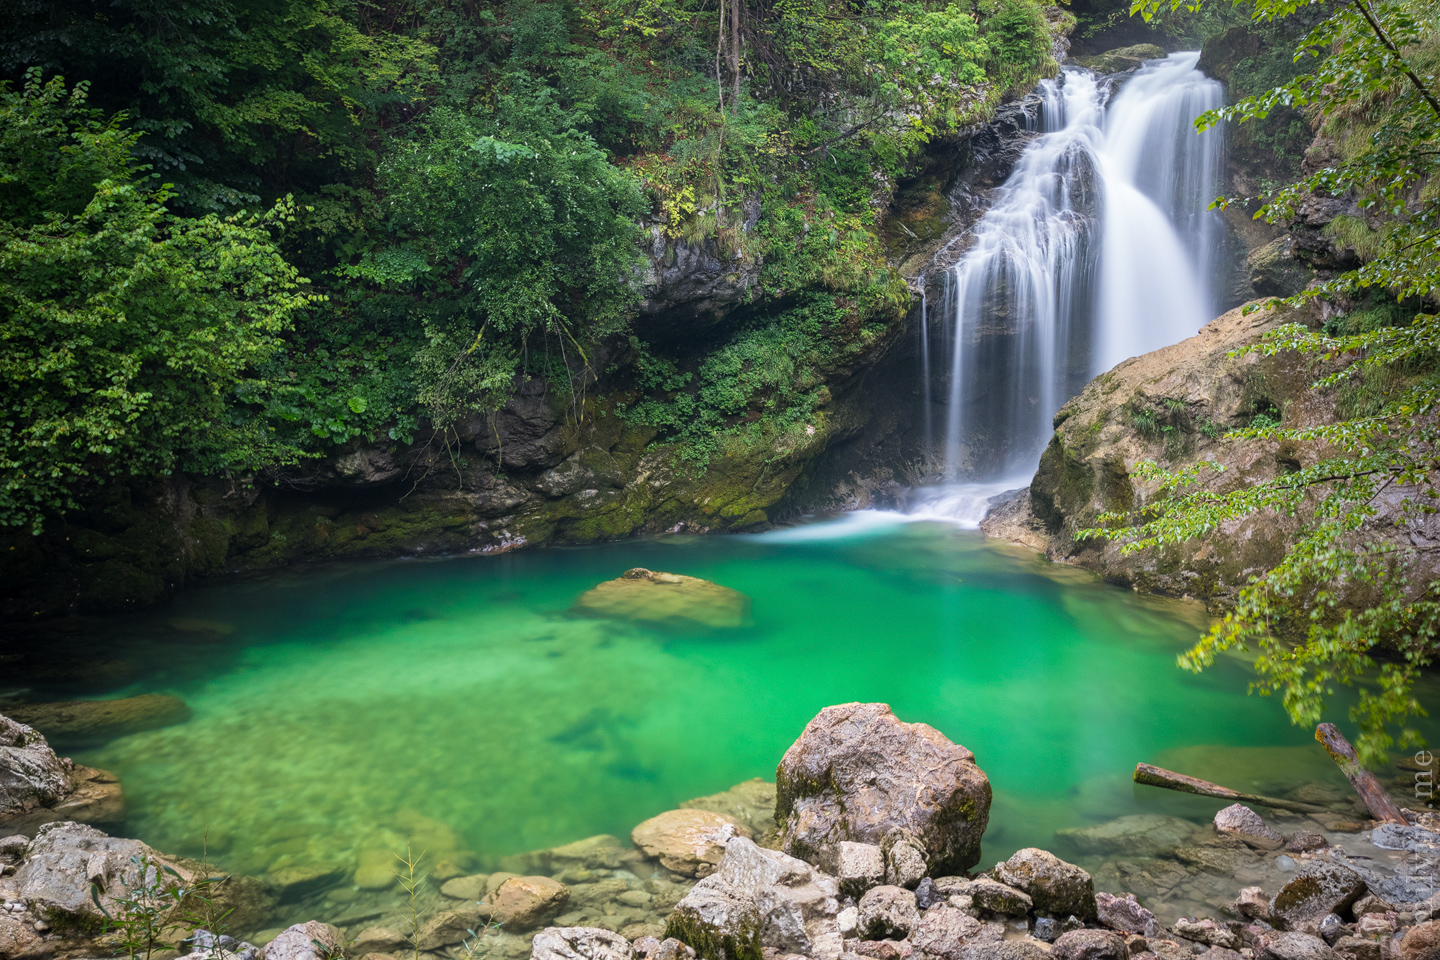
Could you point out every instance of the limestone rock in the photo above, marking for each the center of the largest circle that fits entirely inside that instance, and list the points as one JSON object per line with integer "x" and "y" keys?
{"x": 1318, "y": 888}
{"x": 657, "y": 597}
{"x": 95, "y": 720}
{"x": 887, "y": 912}
{"x": 904, "y": 860}
{"x": 690, "y": 842}
{"x": 795, "y": 905}
{"x": 1422, "y": 942}
{"x": 523, "y": 903}
{"x": 944, "y": 931}
{"x": 994, "y": 897}
{"x": 299, "y": 942}
{"x": 17, "y": 936}
{"x": 1207, "y": 932}
{"x": 1240, "y": 821}
{"x": 31, "y": 775}
{"x": 1090, "y": 945}
{"x": 65, "y": 859}
{"x": 858, "y": 773}
{"x": 466, "y": 888}
{"x": 1006, "y": 950}
{"x": 1138, "y": 835}
{"x": 1124, "y": 914}
{"x": 1121, "y": 59}
{"x": 580, "y": 943}
{"x": 1056, "y": 887}
{"x": 858, "y": 867}
{"x": 1292, "y": 946}
{"x": 1252, "y": 903}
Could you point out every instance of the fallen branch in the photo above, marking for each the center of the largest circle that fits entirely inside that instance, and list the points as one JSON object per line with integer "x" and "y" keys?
{"x": 1159, "y": 777}
{"x": 1376, "y": 800}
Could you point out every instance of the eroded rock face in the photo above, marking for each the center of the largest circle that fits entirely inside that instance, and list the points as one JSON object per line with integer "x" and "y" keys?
{"x": 1057, "y": 888}
{"x": 579, "y": 943}
{"x": 858, "y": 773}
{"x": 657, "y": 597}
{"x": 787, "y": 903}
{"x": 31, "y": 775}
{"x": 691, "y": 842}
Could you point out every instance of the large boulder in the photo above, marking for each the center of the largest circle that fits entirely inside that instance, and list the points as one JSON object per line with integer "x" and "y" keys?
{"x": 761, "y": 895}
{"x": 579, "y": 943}
{"x": 690, "y": 842}
{"x": 92, "y": 720}
{"x": 1319, "y": 888}
{"x": 650, "y": 595}
{"x": 858, "y": 773}
{"x": 31, "y": 775}
{"x": 1057, "y": 888}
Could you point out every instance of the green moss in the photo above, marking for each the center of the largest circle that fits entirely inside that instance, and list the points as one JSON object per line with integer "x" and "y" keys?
{"x": 710, "y": 943}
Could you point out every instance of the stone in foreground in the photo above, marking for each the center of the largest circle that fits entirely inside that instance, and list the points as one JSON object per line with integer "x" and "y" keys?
{"x": 1293, "y": 946}
{"x": 888, "y": 913}
{"x": 579, "y": 943}
{"x": 761, "y": 894}
{"x": 944, "y": 931}
{"x": 31, "y": 775}
{"x": 1124, "y": 914}
{"x": 858, "y": 773}
{"x": 858, "y": 867}
{"x": 306, "y": 941}
{"x": 690, "y": 842}
{"x": 657, "y": 597}
{"x": 524, "y": 903}
{"x": 1057, "y": 888}
{"x": 1090, "y": 945}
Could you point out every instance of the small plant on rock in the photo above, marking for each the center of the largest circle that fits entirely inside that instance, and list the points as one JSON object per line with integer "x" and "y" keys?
{"x": 151, "y": 904}
{"x": 410, "y": 880}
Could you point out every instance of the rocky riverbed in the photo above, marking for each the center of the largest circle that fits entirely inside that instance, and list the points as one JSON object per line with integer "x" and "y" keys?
{"x": 868, "y": 847}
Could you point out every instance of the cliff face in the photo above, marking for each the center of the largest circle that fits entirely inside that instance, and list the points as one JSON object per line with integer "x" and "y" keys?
{"x": 1172, "y": 407}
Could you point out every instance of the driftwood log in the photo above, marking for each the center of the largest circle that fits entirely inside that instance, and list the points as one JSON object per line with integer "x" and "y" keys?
{"x": 1371, "y": 792}
{"x": 1154, "y": 776}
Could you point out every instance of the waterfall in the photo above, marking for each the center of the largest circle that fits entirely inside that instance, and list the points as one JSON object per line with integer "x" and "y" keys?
{"x": 1098, "y": 247}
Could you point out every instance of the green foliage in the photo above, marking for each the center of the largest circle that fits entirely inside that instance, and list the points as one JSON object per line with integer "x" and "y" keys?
{"x": 158, "y": 899}
{"x": 126, "y": 330}
{"x": 1343, "y": 607}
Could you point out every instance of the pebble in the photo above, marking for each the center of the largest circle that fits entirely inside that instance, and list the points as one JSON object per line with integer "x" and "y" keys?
{"x": 1284, "y": 864}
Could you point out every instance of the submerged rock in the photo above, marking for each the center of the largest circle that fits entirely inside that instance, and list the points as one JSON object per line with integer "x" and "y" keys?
{"x": 1058, "y": 888}
{"x": 93, "y": 720}
{"x": 858, "y": 773}
{"x": 523, "y": 903}
{"x": 657, "y": 597}
{"x": 751, "y": 802}
{"x": 761, "y": 894}
{"x": 1139, "y": 835}
{"x": 691, "y": 842}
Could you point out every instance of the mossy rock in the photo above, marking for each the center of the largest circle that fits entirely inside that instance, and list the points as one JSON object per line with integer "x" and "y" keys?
{"x": 666, "y": 598}
{"x": 1121, "y": 59}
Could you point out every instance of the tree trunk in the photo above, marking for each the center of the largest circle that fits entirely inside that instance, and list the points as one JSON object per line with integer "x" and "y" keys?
{"x": 1159, "y": 777}
{"x": 1376, "y": 800}
{"x": 735, "y": 49}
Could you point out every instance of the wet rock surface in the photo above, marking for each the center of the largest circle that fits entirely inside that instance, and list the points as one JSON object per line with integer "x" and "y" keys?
{"x": 658, "y": 597}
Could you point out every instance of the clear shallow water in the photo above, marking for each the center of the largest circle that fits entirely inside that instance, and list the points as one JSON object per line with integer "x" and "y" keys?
{"x": 352, "y": 701}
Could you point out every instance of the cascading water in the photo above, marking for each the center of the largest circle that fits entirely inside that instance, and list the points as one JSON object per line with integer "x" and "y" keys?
{"x": 1097, "y": 248}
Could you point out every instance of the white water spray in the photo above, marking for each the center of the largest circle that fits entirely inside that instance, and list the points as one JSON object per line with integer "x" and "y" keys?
{"x": 1098, "y": 247}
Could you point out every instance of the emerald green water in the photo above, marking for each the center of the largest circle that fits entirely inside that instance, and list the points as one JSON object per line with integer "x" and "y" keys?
{"x": 352, "y": 700}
